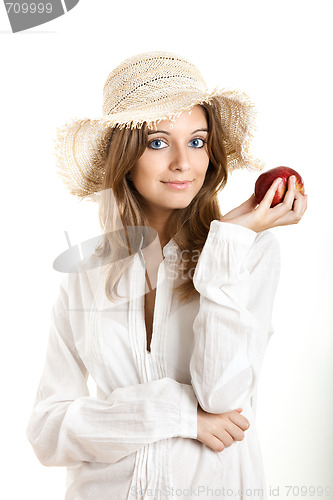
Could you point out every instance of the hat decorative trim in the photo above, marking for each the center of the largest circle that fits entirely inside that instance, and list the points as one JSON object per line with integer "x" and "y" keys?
{"x": 149, "y": 88}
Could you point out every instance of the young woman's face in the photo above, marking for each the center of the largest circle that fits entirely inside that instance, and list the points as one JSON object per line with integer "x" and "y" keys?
{"x": 172, "y": 169}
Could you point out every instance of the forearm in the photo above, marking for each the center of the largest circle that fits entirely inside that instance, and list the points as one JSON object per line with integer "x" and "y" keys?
{"x": 68, "y": 426}
{"x": 93, "y": 430}
{"x": 237, "y": 280}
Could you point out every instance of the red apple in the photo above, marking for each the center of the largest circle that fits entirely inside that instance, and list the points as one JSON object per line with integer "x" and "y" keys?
{"x": 266, "y": 179}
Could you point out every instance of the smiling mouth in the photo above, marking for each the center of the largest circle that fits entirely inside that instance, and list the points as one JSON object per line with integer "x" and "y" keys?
{"x": 176, "y": 182}
{"x": 178, "y": 185}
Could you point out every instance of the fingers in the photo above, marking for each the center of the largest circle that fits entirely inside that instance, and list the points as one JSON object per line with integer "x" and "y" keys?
{"x": 250, "y": 202}
{"x": 228, "y": 436}
{"x": 242, "y": 209}
{"x": 214, "y": 443}
{"x": 290, "y": 194}
{"x": 219, "y": 431}
{"x": 264, "y": 216}
{"x": 300, "y": 205}
{"x": 247, "y": 205}
{"x": 268, "y": 198}
{"x": 292, "y": 208}
{"x": 233, "y": 433}
{"x": 230, "y": 432}
{"x": 239, "y": 420}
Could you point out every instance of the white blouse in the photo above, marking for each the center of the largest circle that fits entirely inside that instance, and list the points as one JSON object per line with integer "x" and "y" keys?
{"x": 137, "y": 438}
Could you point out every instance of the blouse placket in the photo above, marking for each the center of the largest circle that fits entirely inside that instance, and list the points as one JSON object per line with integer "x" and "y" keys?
{"x": 152, "y": 470}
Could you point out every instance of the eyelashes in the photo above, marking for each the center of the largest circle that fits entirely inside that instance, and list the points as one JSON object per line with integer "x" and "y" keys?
{"x": 159, "y": 143}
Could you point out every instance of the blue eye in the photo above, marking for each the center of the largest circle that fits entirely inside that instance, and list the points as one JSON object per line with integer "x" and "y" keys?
{"x": 157, "y": 144}
{"x": 197, "y": 143}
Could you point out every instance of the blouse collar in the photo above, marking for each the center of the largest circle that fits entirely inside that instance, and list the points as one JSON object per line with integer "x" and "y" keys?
{"x": 171, "y": 250}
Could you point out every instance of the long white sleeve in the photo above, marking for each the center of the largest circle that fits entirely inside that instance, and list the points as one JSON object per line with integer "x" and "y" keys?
{"x": 68, "y": 426}
{"x": 237, "y": 276}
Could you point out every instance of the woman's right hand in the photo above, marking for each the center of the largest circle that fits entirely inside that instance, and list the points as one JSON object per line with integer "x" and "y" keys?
{"x": 219, "y": 431}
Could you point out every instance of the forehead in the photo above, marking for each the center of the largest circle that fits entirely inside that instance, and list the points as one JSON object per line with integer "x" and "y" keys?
{"x": 195, "y": 117}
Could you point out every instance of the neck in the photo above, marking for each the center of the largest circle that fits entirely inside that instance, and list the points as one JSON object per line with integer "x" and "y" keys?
{"x": 161, "y": 225}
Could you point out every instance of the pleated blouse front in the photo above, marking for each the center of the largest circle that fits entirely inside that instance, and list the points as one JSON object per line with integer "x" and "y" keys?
{"x": 135, "y": 438}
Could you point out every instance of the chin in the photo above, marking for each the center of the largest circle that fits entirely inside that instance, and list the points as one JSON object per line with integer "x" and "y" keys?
{"x": 184, "y": 205}
{"x": 182, "y": 201}
{"x": 181, "y": 205}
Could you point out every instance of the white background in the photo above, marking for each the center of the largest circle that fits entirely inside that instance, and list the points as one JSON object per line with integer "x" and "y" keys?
{"x": 280, "y": 53}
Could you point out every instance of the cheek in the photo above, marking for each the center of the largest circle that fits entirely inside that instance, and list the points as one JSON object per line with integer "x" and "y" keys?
{"x": 201, "y": 172}
{"x": 202, "y": 165}
{"x": 139, "y": 172}
{"x": 146, "y": 168}
{"x": 144, "y": 178}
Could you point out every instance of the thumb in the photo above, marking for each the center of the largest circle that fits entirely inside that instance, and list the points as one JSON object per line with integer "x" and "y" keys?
{"x": 251, "y": 202}
{"x": 247, "y": 205}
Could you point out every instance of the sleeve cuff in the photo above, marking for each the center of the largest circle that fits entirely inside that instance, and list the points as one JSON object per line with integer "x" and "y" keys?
{"x": 189, "y": 405}
{"x": 227, "y": 231}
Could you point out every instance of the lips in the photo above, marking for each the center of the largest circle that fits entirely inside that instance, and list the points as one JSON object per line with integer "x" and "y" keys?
{"x": 177, "y": 184}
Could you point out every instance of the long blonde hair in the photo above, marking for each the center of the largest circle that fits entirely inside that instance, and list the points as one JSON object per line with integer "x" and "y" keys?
{"x": 190, "y": 225}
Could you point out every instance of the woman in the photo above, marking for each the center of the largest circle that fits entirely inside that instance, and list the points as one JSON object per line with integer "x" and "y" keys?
{"x": 170, "y": 316}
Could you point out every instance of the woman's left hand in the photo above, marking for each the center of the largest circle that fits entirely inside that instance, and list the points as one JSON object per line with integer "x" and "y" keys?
{"x": 260, "y": 217}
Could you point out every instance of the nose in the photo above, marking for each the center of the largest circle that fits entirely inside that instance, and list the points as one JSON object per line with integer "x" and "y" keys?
{"x": 180, "y": 159}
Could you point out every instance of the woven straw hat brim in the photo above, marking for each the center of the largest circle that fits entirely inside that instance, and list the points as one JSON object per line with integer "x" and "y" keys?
{"x": 82, "y": 144}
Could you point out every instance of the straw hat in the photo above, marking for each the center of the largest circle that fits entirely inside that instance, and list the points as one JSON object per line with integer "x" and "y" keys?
{"x": 147, "y": 88}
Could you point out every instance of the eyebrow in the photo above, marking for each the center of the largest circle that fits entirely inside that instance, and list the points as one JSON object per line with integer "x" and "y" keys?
{"x": 168, "y": 133}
